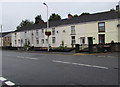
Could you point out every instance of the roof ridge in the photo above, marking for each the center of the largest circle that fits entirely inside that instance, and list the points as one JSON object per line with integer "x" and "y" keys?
{"x": 106, "y": 15}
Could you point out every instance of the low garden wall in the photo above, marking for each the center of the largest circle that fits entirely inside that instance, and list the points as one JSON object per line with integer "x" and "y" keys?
{"x": 109, "y": 47}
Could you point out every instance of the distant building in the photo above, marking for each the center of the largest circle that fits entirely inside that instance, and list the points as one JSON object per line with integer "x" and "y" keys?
{"x": 93, "y": 28}
{"x": 1, "y": 40}
{"x": 6, "y": 39}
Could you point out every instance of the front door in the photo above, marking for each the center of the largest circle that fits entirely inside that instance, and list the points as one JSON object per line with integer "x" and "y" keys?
{"x": 90, "y": 40}
{"x": 90, "y": 43}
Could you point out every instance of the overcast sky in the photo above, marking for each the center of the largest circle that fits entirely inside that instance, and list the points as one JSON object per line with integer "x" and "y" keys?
{"x": 14, "y": 12}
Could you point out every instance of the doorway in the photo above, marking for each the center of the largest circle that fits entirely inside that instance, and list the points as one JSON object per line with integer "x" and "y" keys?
{"x": 90, "y": 44}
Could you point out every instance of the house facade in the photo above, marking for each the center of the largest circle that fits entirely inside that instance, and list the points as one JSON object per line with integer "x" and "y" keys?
{"x": 98, "y": 28}
{"x": 5, "y": 39}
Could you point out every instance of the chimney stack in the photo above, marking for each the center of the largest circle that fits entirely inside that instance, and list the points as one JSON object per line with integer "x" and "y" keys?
{"x": 117, "y": 8}
{"x": 69, "y": 16}
{"x": 41, "y": 22}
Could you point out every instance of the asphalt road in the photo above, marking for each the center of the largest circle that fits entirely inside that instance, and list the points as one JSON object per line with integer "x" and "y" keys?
{"x": 30, "y": 68}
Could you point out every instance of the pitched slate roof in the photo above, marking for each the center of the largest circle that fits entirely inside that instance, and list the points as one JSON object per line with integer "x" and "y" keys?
{"x": 5, "y": 33}
{"x": 81, "y": 19}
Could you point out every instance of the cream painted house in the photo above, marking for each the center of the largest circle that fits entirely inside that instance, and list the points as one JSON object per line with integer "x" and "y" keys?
{"x": 93, "y": 28}
{"x": 5, "y": 39}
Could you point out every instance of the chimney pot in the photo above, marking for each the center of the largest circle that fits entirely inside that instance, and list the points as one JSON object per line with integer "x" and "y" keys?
{"x": 69, "y": 16}
{"x": 117, "y": 8}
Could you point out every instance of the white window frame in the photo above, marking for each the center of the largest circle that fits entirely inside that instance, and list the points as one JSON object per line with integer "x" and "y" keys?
{"x": 73, "y": 41}
{"x": 42, "y": 30}
{"x": 37, "y": 40}
{"x": 15, "y": 41}
{"x": 42, "y": 40}
{"x": 101, "y": 27}
{"x": 53, "y": 40}
{"x": 82, "y": 40}
{"x": 25, "y": 33}
{"x": 72, "y": 30}
{"x": 53, "y": 31}
{"x": 37, "y": 32}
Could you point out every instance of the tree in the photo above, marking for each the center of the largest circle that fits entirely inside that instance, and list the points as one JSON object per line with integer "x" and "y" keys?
{"x": 24, "y": 23}
{"x": 84, "y": 13}
{"x": 54, "y": 17}
{"x": 76, "y": 15}
{"x": 112, "y": 9}
{"x": 38, "y": 19}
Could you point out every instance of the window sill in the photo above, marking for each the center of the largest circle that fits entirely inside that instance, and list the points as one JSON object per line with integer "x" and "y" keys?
{"x": 101, "y": 32}
{"x": 72, "y": 34}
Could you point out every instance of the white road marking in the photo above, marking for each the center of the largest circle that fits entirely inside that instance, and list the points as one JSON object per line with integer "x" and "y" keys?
{"x": 87, "y": 65}
{"x": 101, "y": 67}
{"x": 66, "y": 62}
{"x": 20, "y": 56}
{"x": 81, "y": 64}
{"x": 56, "y": 61}
{"x": 31, "y": 58}
{"x": 9, "y": 83}
{"x": 27, "y": 58}
{"x": 2, "y": 79}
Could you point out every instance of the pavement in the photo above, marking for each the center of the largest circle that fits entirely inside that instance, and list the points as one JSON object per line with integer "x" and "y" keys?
{"x": 65, "y": 53}
{"x": 56, "y": 68}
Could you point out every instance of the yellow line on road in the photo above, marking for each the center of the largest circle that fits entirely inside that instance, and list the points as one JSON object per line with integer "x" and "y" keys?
{"x": 78, "y": 54}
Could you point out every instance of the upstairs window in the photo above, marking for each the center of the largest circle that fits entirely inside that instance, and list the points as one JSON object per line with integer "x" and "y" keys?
{"x": 37, "y": 40}
{"x": 42, "y": 30}
{"x": 101, "y": 27}
{"x": 15, "y": 42}
{"x": 72, "y": 30}
{"x": 37, "y": 33}
{"x": 8, "y": 38}
{"x": 53, "y": 31}
{"x": 25, "y": 41}
{"x": 25, "y": 34}
{"x": 15, "y": 35}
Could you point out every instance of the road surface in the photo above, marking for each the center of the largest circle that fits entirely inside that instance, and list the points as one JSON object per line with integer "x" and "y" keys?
{"x": 40, "y": 68}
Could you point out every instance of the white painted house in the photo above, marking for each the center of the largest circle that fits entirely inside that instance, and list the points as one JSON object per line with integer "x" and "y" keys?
{"x": 93, "y": 28}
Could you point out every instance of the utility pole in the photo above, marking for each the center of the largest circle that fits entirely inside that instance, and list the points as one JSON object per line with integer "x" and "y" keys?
{"x": 47, "y": 24}
{"x": 1, "y": 35}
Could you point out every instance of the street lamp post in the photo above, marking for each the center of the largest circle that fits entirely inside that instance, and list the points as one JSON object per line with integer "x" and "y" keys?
{"x": 47, "y": 23}
{"x": 1, "y": 35}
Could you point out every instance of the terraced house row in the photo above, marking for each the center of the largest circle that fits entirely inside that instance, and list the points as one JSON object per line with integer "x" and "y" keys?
{"x": 94, "y": 28}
